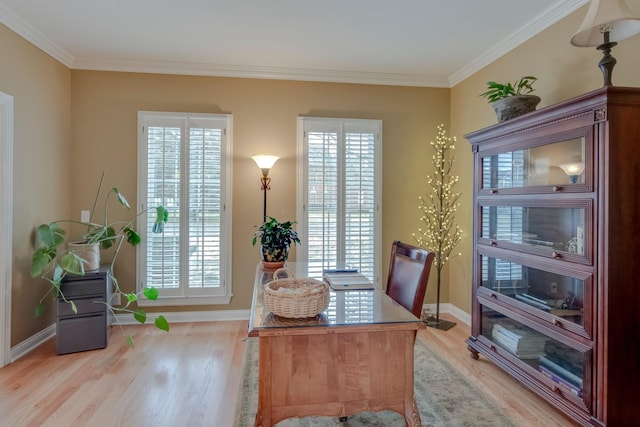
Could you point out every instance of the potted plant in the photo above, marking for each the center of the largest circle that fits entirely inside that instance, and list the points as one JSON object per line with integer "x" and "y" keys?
{"x": 275, "y": 240}
{"x": 512, "y": 100}
{"x": 56, "y": 255}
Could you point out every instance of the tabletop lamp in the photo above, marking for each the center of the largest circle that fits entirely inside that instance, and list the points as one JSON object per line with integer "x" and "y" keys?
{"x": 265, "y": 163}
{"x": 573, "y": 170}
{"x": 607, "y": 22}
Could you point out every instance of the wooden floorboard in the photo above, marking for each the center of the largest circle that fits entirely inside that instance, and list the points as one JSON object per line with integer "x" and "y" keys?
{"x": 190, "y": 377}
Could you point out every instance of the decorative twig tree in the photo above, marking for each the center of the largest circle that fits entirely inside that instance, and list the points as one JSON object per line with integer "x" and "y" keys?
{"x": 441, "y": 233}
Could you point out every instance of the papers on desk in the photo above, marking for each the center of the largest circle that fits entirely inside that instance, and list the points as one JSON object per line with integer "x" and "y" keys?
{"x": 347, "y": 280}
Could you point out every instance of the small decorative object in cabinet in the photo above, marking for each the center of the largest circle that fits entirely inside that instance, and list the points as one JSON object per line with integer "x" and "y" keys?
{"x": 556, "y": 220}
{"x": 86, "y": 329}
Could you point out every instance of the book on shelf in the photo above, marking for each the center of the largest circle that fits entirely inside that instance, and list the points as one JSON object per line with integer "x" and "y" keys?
{"x": 534, "y": 302}
{"x": 560, "y": 380}
{"x": 341, "y": 280}
{"x": 524, "y": 343}
{"x": 565, "y": 356}
{"x": 561, "y": 371}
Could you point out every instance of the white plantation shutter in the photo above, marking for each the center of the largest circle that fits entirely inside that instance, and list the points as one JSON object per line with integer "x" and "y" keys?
{"x": 185, "y": 165}
{"x": 339, "y": 193}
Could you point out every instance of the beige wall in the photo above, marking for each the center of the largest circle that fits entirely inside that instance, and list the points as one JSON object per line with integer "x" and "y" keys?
{"x": 71, "y": 125}
{"x": 105, "y": 107}
{"x": 41, "y": 88}
{"x": 563, "y": 71}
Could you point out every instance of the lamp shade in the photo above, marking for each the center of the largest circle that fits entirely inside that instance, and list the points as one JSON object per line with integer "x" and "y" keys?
{"x": 612, "y": 16}
{"x": 575, "y": 168}
{"x": 265, "y": 162}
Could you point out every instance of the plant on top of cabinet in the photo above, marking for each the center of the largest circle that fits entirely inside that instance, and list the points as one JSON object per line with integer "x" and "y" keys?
{"x": 512, "y": 100}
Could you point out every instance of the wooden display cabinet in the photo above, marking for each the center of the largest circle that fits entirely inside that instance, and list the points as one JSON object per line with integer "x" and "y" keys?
{"x": 556, "y": 233}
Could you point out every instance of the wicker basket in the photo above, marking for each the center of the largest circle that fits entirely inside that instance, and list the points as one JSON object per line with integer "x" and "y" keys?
{"x": 295, "y": 298}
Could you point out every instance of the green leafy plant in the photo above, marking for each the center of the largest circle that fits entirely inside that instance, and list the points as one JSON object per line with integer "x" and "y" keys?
{"x": 53, "y": 259}
{"x": 276, "y": 239}
{"x": 497, "y": 91}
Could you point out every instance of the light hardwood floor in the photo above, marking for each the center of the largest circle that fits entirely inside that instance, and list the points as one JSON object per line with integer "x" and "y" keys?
{"x": 190, "y": 377}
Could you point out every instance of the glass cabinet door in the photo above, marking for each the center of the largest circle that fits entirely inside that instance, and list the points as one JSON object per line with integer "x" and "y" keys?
{"x": 559, "y": 295}
{"x": 553, "y": 361}
{"x": 559, "y": 163}
{"x": 542, "y": 228}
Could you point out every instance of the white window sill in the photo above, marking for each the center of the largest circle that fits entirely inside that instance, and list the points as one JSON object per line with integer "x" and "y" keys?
{"x": 184, "y": 301}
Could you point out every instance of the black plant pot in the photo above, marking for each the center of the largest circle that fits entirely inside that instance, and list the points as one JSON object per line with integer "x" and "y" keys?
{"x": 274, "y": 257}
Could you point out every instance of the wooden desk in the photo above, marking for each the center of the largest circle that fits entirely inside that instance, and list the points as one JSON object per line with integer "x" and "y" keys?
{"x": 354, "y": 357}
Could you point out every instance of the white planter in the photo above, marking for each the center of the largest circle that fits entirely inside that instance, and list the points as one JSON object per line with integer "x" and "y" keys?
{"x": 89, "y": 253}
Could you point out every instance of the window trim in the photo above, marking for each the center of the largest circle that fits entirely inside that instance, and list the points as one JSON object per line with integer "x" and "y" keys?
{"x": 302, "y": 182}
{"x": 226, "y": 291}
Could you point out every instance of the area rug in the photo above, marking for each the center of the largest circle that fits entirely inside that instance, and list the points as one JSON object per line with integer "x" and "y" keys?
{"x": 444, "y": 397}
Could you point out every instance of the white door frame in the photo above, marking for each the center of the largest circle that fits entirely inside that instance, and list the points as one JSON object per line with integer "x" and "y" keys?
{"x": 6, "y": 218}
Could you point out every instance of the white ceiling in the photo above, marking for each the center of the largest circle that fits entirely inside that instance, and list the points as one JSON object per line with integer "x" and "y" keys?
{"x": 402, "y": 42}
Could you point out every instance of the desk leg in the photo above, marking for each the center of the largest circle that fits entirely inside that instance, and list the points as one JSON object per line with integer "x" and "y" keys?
{"x": 263, "y": 416}
{"x": 411, "y": 413}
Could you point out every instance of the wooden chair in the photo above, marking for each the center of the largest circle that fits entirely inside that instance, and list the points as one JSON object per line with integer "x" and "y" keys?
{"x": 408, "y": 275}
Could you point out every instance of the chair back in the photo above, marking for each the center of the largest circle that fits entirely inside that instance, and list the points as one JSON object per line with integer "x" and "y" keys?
{"x": 408, "y": 275}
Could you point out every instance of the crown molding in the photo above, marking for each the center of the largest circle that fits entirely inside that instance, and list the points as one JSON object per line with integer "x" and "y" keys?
{"x": 25, "y": 31}
{"x": 258, "y": 72}
{"x": 535, "y": 26}
{"x": 538, "y": 24}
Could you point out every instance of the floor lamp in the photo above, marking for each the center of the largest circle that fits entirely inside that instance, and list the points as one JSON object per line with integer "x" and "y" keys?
{"x": 265, "y": 163}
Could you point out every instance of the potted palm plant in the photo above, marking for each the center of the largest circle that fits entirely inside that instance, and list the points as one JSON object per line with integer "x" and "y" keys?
{"x": 56, "y": 255}
{"x": 275, "y": 240}
{"x": 512, "y": 100}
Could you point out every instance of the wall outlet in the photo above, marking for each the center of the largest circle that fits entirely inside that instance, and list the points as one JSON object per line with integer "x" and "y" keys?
{"x": 85, "y": 216}
{"x": 115, "y": 299}
{"x": 553, "y": 288}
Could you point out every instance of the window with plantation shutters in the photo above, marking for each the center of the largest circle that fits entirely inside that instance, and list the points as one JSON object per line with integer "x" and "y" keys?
{"x": 339, "y": 194}
{"x": 185, "y": 165}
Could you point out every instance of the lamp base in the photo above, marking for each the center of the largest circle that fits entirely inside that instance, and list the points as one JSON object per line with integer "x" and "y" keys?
{"x": 607, "y": 62}
{"x": 443, "y": 325}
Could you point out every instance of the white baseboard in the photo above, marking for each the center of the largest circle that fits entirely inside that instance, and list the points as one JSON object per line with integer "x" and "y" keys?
{"x": 194, "y": 316}
{"x": 186, "y": 316}
{"x": 449, "y": 309}
{"x": 32, "y": 342}
{"x": 41, "y": 337}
